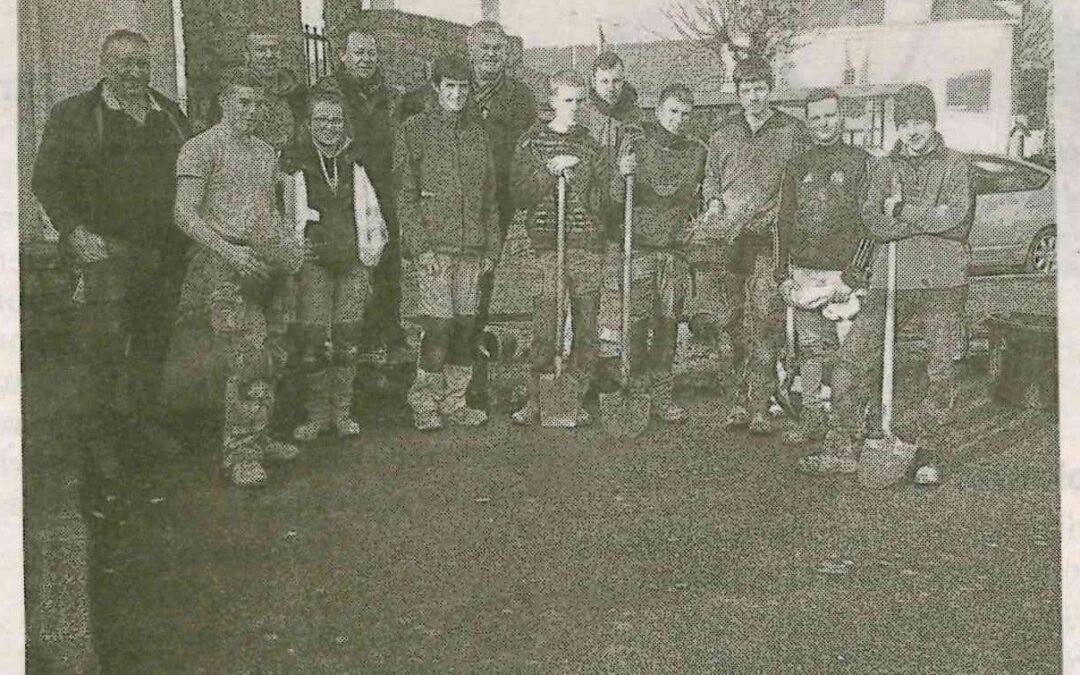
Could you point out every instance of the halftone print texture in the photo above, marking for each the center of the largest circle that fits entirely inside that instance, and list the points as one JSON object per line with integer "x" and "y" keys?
{"x": 251, "y": 447}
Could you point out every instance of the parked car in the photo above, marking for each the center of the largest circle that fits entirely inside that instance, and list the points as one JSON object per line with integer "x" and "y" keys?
{"x": 1015, "y": 224}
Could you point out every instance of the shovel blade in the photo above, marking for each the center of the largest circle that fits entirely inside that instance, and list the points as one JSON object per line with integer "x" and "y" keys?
{"x": 558, "y": 402}
{"x": 623, "y": 414}
{"x": 885, "y": 462}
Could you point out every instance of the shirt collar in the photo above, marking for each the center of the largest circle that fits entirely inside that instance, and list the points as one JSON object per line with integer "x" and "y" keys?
{"x": 110, "y": 100}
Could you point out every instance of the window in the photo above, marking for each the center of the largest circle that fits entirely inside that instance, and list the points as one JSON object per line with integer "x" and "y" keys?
{"x": 991, "y": 175}
{"x": 969, "y": 92}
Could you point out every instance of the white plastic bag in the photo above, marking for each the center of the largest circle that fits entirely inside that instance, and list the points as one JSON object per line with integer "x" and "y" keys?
{"x": 371, "y": 233}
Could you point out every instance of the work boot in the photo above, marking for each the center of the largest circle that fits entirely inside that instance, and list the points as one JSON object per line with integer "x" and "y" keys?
{"x": 811, "y": 427}
{"x": 247, "y": 473}
{"x": 423, "y": 397}
{"x": 529, "y": 414}
{"x": 761, "y": 425}
{"x": 453, "y": 406}
{"x": 279, "y": 451}
{"x": 663, "y": 405}
{"x": 317, "y": 406}
{"x": 342, "y": 400}
{"x": 839, "y": 455}
{"x": 738, "y": 418}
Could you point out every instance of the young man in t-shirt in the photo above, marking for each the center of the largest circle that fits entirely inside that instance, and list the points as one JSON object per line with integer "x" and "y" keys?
{"x": 821, "y": 234}
{"x": 226, "y": 202}
{"x": 562, "y": 147}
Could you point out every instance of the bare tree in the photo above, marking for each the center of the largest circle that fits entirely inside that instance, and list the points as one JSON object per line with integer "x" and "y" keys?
{"x": 741, "y": 27}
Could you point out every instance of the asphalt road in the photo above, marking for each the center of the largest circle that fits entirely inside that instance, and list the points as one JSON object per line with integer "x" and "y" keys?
{"x": 689, "y": 549}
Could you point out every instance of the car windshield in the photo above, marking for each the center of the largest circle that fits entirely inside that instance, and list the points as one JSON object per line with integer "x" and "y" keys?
{"x": 1000, "y": 175}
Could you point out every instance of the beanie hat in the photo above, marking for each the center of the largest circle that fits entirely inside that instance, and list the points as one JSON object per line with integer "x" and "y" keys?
{"x": 915, "y": 102}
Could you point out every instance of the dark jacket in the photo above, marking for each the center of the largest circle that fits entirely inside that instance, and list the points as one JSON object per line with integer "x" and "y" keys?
{"x": 933, "y": 223}
{"x": 610, "y": 124}
{"x": 506, "y": 110}
{"x": 93, "y": 170}
{"x": 536, "y": 191}
{"x": 744, "y": 171}
{"x": 333, "y": 236}
{"x": 371, "y": 107}
{"x": 667, "y": 186}
{"x": 820, "y": 219}
{"x": 446, "y": 185}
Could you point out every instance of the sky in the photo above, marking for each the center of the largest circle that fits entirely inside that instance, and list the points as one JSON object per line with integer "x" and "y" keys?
{"x": 548, "y": 22}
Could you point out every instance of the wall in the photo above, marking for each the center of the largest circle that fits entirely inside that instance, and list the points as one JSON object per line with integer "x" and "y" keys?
{"x": 928, "y": 53}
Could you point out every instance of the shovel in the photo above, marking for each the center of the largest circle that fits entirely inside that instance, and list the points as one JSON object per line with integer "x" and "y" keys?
{"x": 886, "y": 460}
{"x": 558, "y": 393}
{"x": 625, "y": 414}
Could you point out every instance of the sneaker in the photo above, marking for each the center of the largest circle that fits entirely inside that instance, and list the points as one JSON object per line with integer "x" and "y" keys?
{"x": 248, "y": 473}
{"x": 467, "y": 417}
{"x": 282, "y": 452}
{"x": 584, "y": 419}
{"x": 738, "y": 418}
{"x": 761, "y": 425}
{"x": 427, "y": 421}
{"x": 309, "y": 431}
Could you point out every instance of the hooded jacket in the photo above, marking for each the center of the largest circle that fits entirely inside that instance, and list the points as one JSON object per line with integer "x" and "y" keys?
{"x": 445, "y": 178}
{"x": 932, "y": 223}
{"x": 98, "y": 169}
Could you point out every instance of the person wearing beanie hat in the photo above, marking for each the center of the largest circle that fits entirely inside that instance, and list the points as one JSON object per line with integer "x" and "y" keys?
{"x": 734, "y": 252}
{"x": 920, "y": 196}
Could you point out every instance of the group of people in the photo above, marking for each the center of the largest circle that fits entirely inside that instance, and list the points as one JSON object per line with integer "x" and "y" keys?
{"x": 252, "y": 231}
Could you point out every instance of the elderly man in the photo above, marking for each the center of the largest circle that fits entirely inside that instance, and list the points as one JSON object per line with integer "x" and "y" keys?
{"x": 104, "y": 177}
{"x": 371, "y": 106}
{"x": 226, "y": 201}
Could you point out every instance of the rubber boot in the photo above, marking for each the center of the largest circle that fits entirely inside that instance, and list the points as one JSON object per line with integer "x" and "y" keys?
{"x": 342, "y": 401}
{"x": 453, "y": 407}
{"x": 662, "y": 402}
{"x": 424, "y": 396}
{"x": 529, "y": 414}
{"x": 317, "y": 406}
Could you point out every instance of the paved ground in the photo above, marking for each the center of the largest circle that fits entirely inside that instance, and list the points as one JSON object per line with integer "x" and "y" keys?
{"x": 689, "y": 549}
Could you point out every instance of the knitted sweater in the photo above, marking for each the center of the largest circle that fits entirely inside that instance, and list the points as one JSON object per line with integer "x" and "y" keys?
{"x": 536, "y": 191}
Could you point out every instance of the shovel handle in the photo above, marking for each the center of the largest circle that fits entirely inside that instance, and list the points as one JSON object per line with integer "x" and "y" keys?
{"x": 889, "y": 348}
{"x": 628, "y": 233}
{"x": 560, "y": 265}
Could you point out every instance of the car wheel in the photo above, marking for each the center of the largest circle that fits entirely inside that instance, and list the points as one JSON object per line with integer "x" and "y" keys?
{"x": 1042, "y": 256}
